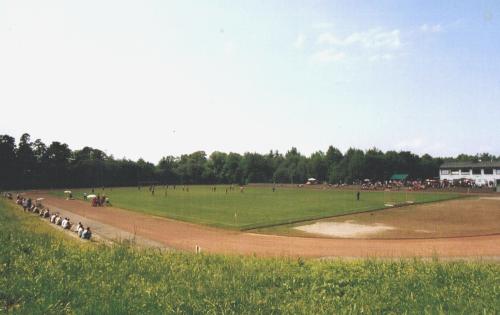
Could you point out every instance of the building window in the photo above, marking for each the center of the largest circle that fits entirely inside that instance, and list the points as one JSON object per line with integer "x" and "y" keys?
{"x": 498, "y": 171}
{"x": 455, "y": 172}
{"x": 447, "y": 172}
{"x": 476, "y": 171}
{"x": 465, "y": 172}
{"x": 488, "y": 171}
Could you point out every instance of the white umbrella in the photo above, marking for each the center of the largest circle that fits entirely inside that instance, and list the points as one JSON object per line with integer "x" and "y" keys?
{"x": 91, "y": 196}
{"x": 39, "y": 199}
{"x": 67, "y": 191}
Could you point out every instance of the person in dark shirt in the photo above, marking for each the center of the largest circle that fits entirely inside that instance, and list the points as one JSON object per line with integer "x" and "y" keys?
{"x": 86, "y": 234}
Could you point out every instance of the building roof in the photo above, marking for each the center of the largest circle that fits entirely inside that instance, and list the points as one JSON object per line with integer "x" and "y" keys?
{"x": 399, "y": 176}
{"x": 470, "y": 164}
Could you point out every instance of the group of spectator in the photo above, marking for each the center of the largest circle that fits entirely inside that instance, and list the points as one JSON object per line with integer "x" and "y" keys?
{"x": 97, "y": 201}
{"x": 389, "y": 184}
{"x": 54, "y": 217}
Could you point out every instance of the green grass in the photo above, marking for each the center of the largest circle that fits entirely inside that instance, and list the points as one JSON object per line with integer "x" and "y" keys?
{"x": 42, "y": 271}
{"x": 256, "y": 207}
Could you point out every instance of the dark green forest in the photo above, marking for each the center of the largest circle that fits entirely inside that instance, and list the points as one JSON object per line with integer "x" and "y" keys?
{"x": 34, "y": 164}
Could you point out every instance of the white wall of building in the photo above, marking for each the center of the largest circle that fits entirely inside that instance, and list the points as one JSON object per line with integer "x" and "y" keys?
{"x": 480, "y": 179}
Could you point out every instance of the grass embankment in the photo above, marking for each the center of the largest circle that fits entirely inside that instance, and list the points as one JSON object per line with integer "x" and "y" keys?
{"x": 254, "y": 208}
{"x": 42, "y": 271}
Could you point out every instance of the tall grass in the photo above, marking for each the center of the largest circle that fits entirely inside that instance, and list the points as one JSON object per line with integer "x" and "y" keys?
{"x": 44, "y": 272}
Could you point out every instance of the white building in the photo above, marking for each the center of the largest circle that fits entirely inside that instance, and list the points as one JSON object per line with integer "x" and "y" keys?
{"x": 483, "y": 173}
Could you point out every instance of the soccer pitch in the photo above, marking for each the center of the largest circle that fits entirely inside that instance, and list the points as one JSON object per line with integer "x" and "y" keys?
{"x": 254, "y": 207}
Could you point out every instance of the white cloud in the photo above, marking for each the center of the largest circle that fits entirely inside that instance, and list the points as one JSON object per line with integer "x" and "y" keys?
{"x": 374, "y": 38}
{"x": 299, "y": 41}
{"x": 411, "y": 143}
{"x": 436, "y": 28}
{"x": 322, "y": 25}
{"x": 329, "y": 38}
{"x": 381, "y": 57}
{"x": 229, "y": 48}
{"x": 421, "y": 145}
{"x": 327, "y": 56}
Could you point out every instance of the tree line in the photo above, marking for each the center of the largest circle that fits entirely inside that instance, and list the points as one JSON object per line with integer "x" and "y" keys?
{"x": 33, "y": 164}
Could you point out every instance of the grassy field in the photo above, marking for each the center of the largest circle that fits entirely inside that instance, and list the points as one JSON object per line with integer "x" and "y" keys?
{"x": 255, "y": 207}
{"x": 43, "y": 271}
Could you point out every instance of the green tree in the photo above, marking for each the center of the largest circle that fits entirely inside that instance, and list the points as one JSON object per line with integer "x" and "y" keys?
{"x": 7, "y": 162}
{"x": 318, "y": 166}
{"x": 215, "y": 167}
{"x": 253, "y": 166}
{"x": 191, "y": 167}
{"x": 232, "y": 170}
{"x": 333, "y": 158}
{"x": 56, "y": 162}
{"x": 145, "y": 170}
{"x": 429, "y": 167}
{"x": 374, "y": 165}
{"x": 295, "y": 165}
{"x": 167, "y": 170}
{"x": 26, "y": 161}
{"x": 355, "y": 165}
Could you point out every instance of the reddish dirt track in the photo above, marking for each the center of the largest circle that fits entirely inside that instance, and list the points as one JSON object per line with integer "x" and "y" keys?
{"x": 185, "y": 236}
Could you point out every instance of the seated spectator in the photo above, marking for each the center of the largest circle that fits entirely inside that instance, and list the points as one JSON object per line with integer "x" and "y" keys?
{"x": 79, "y": 229}
{"x": 94, "y": 202}
{"x": 84, "y": 196}
{"x": 58, "y": 220}
{"x": 53, "y": 218}
{"x": 86, "y": 234}
{"x": 66, "y": 224}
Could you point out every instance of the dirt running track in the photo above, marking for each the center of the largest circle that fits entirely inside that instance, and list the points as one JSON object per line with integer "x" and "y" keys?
{"x": 186, "y": 236}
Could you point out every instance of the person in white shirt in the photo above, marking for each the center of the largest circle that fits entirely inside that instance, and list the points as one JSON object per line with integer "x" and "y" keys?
{"x": 79, "y": 229}
{"x": 65, "y": 224}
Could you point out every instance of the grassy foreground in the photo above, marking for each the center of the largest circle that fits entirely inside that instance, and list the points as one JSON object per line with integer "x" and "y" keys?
{"x": 42, "y": 271}
{"x": 255, "y": 207}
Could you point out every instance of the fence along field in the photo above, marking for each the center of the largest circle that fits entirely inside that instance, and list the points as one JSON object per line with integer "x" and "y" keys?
{"x": 45, "y": 272}
{"x": 255, "y": 207}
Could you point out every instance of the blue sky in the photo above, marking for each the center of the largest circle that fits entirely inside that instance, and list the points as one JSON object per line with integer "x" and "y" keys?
{"x": 154, "y": 78}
